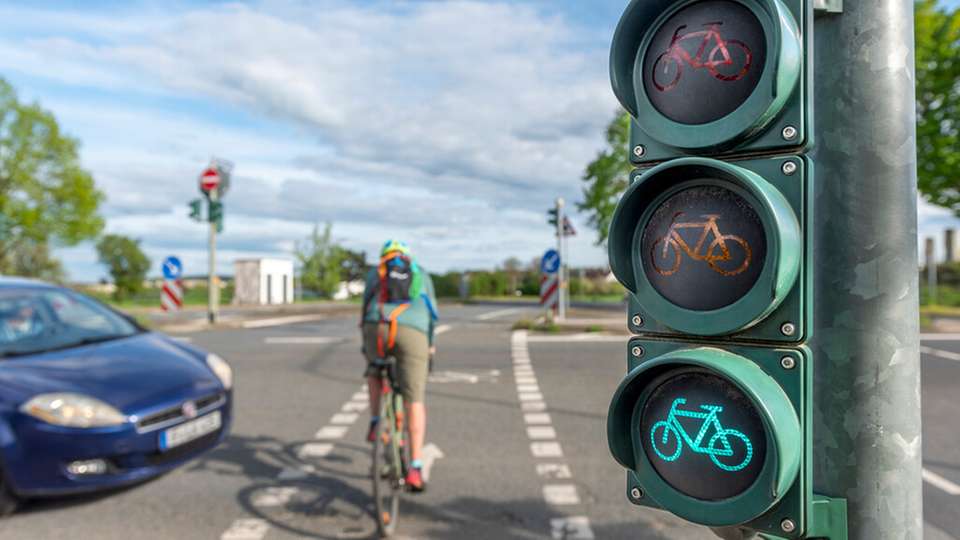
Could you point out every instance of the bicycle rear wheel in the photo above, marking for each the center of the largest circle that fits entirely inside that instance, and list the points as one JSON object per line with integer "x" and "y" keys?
{"x": 387, "y": 470}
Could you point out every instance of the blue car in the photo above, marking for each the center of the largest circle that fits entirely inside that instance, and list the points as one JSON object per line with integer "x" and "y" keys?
{"x": 89, "y": 400}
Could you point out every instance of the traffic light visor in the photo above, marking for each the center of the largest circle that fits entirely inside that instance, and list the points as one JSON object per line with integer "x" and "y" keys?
{"x": 703, "y": 74}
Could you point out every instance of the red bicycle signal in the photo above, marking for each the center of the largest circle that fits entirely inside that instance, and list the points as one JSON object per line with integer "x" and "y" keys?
{"x": 719, "y": 61}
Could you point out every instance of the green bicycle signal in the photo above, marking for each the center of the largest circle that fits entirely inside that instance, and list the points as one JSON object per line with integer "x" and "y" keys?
{"x": 718, "y": 447}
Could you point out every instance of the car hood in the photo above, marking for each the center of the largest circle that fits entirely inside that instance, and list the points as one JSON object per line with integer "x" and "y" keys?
{"x": 133, "y": 374}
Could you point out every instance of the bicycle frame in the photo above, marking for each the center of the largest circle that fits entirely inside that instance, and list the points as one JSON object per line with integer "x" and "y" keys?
{"x": 709, "y": 226}
{"x": 712, "y": 31}
{"x": 709, "y": 418}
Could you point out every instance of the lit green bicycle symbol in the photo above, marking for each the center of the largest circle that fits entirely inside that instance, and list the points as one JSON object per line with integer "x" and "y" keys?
{"x": 718, "y": 447}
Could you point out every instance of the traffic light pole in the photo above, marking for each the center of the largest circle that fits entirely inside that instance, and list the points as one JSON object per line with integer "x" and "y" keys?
{"x": 562, "y": 286}
{"x": 867, "y": 441}
{"x": 213, "y": 283}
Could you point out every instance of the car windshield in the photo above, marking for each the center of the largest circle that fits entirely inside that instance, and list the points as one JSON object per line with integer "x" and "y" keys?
{"x": 39, "y": 320}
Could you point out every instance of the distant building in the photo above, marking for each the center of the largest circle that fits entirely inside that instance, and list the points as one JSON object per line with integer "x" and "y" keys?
{"x": 263, "y": 281}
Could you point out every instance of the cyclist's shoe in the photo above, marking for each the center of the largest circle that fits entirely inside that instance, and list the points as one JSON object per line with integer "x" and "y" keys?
{"x": 414, "y": 481}
{"x": 372, "y": 434}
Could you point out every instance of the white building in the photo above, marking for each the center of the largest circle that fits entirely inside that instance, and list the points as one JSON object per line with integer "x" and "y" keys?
{"x": 263, "y": 281}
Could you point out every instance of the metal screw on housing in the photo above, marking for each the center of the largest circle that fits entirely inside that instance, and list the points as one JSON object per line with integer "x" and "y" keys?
{"x": 639, "y": 150}
{"x": 637, "y": 351}
{"x": 635, "y": 493}
{"x": 788, "y": 363}
{"x": 788, "y": 329}
{"x": 637, "y": 320}
{"x": 789, "y": 168}
{"x": 788, "y": 526}
{"x": 789, "y": 133}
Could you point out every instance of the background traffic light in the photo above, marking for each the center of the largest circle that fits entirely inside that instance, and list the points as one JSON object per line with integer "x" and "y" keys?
{"x": 196, "y": 210}
{"x": 552, "y": 216}
{"x": 216, "y": 214}
{"x": 713, "y": 241}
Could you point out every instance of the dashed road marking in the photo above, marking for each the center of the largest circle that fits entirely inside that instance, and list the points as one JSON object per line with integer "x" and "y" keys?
{"x": 331, "y": 432}
{"x": 544, "y": 446}
{"x": 274, "y": 496}
{"x": 940, "y": 483}
{"x": 302, "y": 340}
{"x": 946, "y": 355}
{"x": 354, "y": 406}
{"x": 571, "y": 528}
{"x": 281, "y": 321}
{"x": 537, "y": 418}
{"x": 344, "y": 419}
{"x": 546, "y": 450}
{"x": 246, "y": 529}
{"x": 541, "y": 433}
{"x": 314, "y": 450}
{"x": 497, "y": 314}
{"x": 442, "y": 329}
{"x": 561, "y": 494}
{"x": 554, "y": 471}
{"x": 581, "y": 338}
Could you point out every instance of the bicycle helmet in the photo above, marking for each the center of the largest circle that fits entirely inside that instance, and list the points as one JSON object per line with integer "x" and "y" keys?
{"x": 394, "y": 246}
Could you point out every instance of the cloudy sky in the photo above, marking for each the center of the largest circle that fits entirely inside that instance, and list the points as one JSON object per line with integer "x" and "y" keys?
{"x": 451, "y": 124}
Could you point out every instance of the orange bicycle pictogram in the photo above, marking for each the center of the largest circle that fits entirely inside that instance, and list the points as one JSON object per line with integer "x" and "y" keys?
{"x": 719, "y": 61}
{"x": 717, "y": 254}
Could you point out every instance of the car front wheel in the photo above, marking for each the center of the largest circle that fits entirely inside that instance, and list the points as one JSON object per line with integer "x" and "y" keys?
{"x": 8, "y": 501}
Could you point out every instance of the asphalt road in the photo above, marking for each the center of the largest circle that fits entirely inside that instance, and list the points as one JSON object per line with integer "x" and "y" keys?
{"x": 516, "y": 442}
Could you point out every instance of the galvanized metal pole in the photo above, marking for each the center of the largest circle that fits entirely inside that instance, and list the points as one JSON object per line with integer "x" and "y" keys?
{"x": 950, "y": 245}
{"x": 213, "y": 283}
{"x": 561, "y": 278}
{"x": 866, "y": 341}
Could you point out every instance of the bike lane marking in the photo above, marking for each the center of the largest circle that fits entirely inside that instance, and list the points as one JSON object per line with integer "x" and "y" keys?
{"x": 940, "y": 483}
{"x": 946, "y": 355}
{"x": 558, "y": 489}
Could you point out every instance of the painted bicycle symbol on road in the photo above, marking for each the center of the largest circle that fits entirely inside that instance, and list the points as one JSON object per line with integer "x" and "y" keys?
{"x": 717, "y": 254}
{"x": 668, "y": 438}
{"x": 727, "y": 60}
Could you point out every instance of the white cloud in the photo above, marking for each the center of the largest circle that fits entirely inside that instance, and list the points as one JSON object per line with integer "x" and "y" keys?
{"x": 453, "y": 123}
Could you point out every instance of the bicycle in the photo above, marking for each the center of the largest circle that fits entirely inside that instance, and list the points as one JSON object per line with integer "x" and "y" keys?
{"x": 671, "y": 61}
{"x": 389, "y": 468}
{"x": 718, "y": 251}
{"x": 718, "y": 447}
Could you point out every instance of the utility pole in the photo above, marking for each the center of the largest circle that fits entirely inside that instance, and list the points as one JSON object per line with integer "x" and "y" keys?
{"x": 562, "y": 309}
{"x": 867, "y": 440}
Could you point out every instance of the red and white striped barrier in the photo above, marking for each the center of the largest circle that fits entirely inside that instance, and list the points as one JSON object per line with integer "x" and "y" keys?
{"x": 550, "y": 291}
{"x": 171, "y": 296}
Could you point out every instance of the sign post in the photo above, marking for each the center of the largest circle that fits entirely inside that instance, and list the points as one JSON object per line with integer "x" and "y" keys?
{"x": 171, "y": 295}
{"x": 214, "y": 182}
{"x": 550, "y": 267}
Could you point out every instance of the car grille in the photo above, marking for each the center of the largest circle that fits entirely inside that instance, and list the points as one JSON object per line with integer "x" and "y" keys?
{"x": 174, "y": 415}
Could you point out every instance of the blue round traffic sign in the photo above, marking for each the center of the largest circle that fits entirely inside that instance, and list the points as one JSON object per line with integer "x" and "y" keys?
{"x": 172, "y": 268}
{"x": 550, "y": 262}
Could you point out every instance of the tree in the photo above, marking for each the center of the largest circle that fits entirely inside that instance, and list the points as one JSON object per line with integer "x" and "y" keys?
{"x": 514, "y": 270}
{"x": 938, "y": 103}
{"x": 320, "y": 262}
{"x": 127, "y": 263}
{"x": 353, "y": 264}
{"x": 607, "y": 177}
{"x": 46, "y": 198}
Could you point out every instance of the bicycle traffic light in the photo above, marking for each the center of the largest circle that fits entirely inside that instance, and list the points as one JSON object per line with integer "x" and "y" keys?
{"x": 216, "y": 214}
{"x": 196, "y": 210}
{"x": 713, "y": 241}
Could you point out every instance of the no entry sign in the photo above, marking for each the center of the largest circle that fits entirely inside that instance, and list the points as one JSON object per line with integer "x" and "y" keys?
{"x": 210, "y": 180}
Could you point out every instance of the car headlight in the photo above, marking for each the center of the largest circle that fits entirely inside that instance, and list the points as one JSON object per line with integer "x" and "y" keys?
{"x": 72, "y": 410}
{"x": 221, "y": 369}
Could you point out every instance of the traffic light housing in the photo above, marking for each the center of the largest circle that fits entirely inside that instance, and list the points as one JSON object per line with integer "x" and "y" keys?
{"x": 216, "y": 214}
{"x": 713, "y": 240}
{"x": 552, "y": 216}
{"x": 196, "y": 210}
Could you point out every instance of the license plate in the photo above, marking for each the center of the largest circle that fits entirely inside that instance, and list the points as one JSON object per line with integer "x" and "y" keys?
{"x": 189, "y": 431}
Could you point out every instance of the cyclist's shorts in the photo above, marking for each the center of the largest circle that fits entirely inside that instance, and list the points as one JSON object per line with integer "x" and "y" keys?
{"x": 412, "y": 351}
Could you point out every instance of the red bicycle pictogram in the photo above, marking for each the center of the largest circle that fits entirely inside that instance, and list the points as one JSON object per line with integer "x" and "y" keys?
{"x": 719, "y": 61}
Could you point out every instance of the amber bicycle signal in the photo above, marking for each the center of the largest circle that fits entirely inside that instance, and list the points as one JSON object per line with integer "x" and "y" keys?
{"x": 672, "y": 246}
{"x": 719, "y": 61}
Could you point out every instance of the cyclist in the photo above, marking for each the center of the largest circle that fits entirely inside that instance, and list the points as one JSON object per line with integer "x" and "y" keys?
{"x": 398, "y": 319}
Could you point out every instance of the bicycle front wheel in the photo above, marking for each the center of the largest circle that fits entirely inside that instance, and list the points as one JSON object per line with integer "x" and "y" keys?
{"x": 387, "y": 470}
